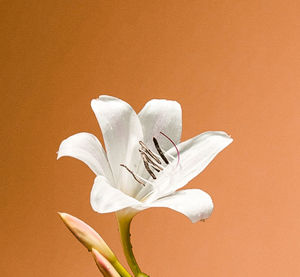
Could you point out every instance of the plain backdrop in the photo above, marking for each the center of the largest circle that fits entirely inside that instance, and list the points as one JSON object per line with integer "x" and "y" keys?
{"x": 232, "y": 65}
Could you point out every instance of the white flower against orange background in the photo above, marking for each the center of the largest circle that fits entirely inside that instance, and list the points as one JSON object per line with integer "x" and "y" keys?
{"x": 144, "y": 163}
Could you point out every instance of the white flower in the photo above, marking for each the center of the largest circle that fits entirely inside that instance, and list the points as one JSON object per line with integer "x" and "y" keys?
{"x": 132, "y": 174}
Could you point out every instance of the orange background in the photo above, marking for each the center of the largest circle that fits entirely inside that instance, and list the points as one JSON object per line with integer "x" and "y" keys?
{"x": 233, "y": 66}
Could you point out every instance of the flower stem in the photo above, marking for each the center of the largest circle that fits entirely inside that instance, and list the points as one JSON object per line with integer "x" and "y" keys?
{"x": 124, "y": 228}
{"x": 121, "y": 270}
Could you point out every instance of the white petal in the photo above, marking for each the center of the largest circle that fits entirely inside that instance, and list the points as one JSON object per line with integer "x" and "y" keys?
{"x": 195, "y": 154}
{"x": 87, "y": 148}
{"x": 122, "y": 132}
{"x": 193, "y": 203}
{"x": 106, "y": 199}
{"x": 160, "y": 115}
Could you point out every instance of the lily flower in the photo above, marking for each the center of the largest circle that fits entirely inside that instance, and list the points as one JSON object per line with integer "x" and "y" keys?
{"x": 122, "y": 179}
{"x": 145, "y": 163}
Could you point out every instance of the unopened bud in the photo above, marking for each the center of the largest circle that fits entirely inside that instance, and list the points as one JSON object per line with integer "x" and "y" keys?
{"x": 87, "y": 236}
{"x": 104, "y": 265}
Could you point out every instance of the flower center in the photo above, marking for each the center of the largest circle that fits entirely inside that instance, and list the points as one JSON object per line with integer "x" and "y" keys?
{"x": 151, "y": 160}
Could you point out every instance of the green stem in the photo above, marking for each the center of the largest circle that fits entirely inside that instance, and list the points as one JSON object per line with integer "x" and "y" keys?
{"x": 124, "y": 228}
{"x": 121, "y": 270}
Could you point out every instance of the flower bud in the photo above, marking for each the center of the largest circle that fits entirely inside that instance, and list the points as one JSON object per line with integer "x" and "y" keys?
{"x": 87, "y": 236}
{"x": 104, "y": 265}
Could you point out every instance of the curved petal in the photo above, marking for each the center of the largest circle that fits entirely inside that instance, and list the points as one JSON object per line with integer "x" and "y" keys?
{"x": 195, "y": 155}
{"x": 106, "y": 199}
{"x": 87, "y": 148}
{"x": 193, "y": 203}
{"x": 122, "y": 132}
{"x": 159, "y": 115}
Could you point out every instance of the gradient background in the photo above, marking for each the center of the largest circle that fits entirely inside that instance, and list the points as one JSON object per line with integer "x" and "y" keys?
{"x": 233, "y": 66}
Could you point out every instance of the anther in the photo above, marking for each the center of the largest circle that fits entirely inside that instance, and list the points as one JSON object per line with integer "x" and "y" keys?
{"x": 148, "y": 169}
{"x": 123, "y": 165}
{"x": 160, "y": 151}
{"x": 156, "y": 166}
{"x": 146, "y": 164}
{"x": 149, "y": 152}
{"x": 146, "y": 160}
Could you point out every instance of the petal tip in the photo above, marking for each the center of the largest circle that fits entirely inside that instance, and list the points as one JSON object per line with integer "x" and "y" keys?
{"x": 59, "y": 155}
{"x": 64, "y": 217}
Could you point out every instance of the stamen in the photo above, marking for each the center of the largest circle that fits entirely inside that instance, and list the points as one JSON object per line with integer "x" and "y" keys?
{"x": 156, "y": 169}
{"x": 123, "y": 165}
{"x": 178, "y": 154}
{"x": 146, "y": 160}
{"x": 159, "y": 151}
{"x": 148, "y": 151}
{"x": 153, "y": 164}
{"x": 148, "y": 168}
{"x": 147, "y": 182}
